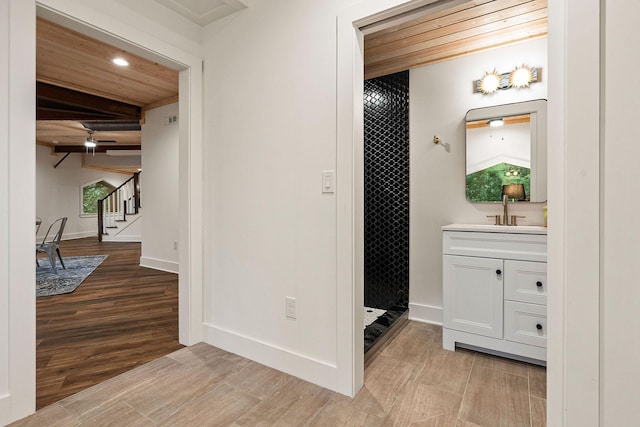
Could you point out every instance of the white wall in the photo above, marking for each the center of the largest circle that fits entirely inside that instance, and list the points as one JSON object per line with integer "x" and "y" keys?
{"x": 573, "y": 345}
{"x": 159, "y": 190}
{"x": 17, "y": 210}
{"x": 58, "y": 192}
{"x": 620, "y": 295}
{"x": 271, "y": 126}
{"x": 440, "y": 96}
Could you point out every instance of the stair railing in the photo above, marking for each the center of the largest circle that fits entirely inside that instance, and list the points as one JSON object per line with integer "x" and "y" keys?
{"x": 115, "y": 206}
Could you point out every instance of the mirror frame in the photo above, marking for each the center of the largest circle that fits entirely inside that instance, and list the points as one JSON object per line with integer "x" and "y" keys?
{"x": 538, "y": 110}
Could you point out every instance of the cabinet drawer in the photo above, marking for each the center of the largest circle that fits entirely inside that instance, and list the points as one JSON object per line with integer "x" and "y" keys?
{"x": 525, "y": 281}
{"x": 525, "y": 247}
{"x": 525, "y": 323}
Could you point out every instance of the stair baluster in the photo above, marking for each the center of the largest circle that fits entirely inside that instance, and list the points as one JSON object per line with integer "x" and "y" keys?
{"x": 115, "y": 206}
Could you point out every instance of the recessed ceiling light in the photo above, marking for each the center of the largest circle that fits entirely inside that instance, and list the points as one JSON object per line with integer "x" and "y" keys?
{"x": 121, "y": 62}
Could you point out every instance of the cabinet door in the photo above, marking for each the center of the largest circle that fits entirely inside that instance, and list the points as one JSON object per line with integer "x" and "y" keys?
{"x": 473, "y": 295}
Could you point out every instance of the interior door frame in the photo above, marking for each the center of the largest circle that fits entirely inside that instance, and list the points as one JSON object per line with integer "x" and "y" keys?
{"x": 19, "y": 400}
{"x": 108, "y": 30}
{"x": 350, "y": 181}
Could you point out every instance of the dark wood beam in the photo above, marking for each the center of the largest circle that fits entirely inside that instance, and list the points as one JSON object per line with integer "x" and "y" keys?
{"x": 100, "y": 148}
{"x": 58, "y": 103}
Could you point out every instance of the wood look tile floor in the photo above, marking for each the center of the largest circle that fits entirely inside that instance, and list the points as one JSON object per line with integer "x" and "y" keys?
{"x": 120, "y": 317}
{"x": 411, "y": 382}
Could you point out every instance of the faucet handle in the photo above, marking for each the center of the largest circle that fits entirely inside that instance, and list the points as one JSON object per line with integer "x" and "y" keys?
{"x": 514, "y": 218}
{"x": 496, "y": 218}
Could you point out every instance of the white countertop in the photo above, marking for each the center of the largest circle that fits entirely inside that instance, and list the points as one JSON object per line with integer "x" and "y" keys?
{"x": 488, "y": 228}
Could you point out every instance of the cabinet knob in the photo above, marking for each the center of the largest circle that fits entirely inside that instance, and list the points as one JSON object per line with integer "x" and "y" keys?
{"x": 539, "y": 284}
{"x": 498, "y": 271}
{"x": 538, "y": 326}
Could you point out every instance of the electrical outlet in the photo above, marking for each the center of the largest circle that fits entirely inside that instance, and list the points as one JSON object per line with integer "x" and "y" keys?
{"x": 170, "y": 120}
{"x": 290, "y": 307}
{"x": 175, "y": 246}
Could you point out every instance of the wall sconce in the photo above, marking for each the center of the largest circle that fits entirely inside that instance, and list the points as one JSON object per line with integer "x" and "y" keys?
{"x": 519, "y": 77}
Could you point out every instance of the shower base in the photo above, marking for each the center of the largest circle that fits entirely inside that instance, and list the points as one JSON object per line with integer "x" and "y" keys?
{"x": 378, "y": 322}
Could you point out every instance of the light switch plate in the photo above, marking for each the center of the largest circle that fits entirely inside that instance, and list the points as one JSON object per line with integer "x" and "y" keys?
{"x": 328, "y": 181}
{"x": 290, "y": 307}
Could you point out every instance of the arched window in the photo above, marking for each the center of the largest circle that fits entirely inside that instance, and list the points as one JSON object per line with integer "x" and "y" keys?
{"x": 91, "y": 193}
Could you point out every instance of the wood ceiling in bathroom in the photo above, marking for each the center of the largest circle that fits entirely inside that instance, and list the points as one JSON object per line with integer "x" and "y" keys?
{"x": 467, "y": 28}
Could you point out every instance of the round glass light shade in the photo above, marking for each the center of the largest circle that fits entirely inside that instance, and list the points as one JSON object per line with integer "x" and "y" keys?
{"x": 521, "y": 76}
{"x": 490, "y": 82}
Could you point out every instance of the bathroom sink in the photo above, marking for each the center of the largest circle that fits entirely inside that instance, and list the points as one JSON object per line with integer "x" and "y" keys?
{"x": 489, "y": 228}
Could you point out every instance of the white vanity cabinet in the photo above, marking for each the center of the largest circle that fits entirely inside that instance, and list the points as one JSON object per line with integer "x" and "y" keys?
{"x": 495, "y": 289}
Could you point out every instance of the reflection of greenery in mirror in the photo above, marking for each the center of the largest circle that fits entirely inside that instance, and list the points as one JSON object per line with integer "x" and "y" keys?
{"x": 486, "y": 185}
{"x": 92, "y": 193}
{"x": 506, "y": 144}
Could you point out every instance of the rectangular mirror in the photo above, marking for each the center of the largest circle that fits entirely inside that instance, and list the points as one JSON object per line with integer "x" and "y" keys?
{"x": 506, "y": 152}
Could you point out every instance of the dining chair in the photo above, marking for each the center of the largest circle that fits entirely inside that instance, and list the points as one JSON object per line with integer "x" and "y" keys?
{"x": 51, "y": 246}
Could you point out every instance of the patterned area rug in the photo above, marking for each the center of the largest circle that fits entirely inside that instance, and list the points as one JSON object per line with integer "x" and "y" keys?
{"x": 66, "y": 281}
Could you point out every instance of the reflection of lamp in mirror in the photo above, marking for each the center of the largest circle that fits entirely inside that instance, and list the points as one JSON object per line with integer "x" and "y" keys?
{"x": 514, "y": 191}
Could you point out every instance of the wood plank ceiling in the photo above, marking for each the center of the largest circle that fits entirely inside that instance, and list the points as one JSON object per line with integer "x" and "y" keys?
{"x": 467, "y": 28}
{"x": 77, "y": 81}
{"x": 72, "y": 60}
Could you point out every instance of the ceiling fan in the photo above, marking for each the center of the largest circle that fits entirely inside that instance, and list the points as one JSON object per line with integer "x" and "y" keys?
{"x": 91, "y": 142}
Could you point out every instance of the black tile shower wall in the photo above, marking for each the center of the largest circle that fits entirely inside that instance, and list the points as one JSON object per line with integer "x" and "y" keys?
{"x": 386, "y": 191}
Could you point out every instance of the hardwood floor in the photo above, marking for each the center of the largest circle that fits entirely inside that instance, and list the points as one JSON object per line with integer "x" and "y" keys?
{"x": 413, "y": 381}
{"x": 120, "y": 317}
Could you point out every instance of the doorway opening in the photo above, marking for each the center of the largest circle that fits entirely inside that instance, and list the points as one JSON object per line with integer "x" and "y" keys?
{"x": 386, "y": 206}
{"x": 123, "y": 347}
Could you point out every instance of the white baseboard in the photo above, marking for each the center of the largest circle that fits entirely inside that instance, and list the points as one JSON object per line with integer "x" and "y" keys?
{"x": 425, "y": 313}
{"x": 306, "y": 368}
{"x": 159, "y": 264}
{"x": 5, "y": 410}
{"x": 72, "y": 236}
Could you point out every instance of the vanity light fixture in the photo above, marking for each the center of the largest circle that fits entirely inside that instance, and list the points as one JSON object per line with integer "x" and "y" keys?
{"x": 520, "y": 77}
{"x": 121, "y": 62}
{"x": 490, "y": 82}
{"x": 494, "y": 123}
